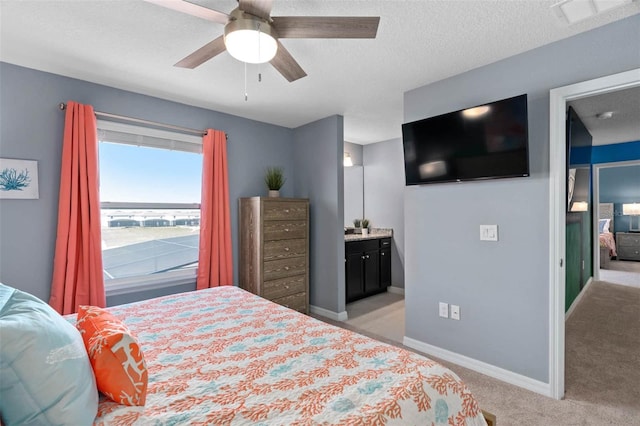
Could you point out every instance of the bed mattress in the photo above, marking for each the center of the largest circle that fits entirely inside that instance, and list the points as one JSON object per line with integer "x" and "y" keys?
{"x": 224, "y": 356}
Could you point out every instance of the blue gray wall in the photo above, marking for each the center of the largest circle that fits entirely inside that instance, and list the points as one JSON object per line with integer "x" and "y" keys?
{"x": 31, "y": 127}
{"x": 620, "y": 185}
{"x": 502, "y": 287}
{"x": 384, "y": 197}
{"x": 318, "y": 153}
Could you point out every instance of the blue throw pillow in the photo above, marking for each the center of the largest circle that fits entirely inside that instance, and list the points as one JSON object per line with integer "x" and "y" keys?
{"x": 603, "y": 225}
{"x": 45, "y": 373}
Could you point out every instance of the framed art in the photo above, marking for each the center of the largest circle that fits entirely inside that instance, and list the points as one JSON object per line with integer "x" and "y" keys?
{"x": 18, "y": 179}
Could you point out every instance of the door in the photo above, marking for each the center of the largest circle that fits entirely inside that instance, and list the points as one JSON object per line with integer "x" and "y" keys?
{"x": 385, "y": 267}
{"x": 574, "y": 263}
{"x": 371, "y": 271}
{"x": 353, "y": 275}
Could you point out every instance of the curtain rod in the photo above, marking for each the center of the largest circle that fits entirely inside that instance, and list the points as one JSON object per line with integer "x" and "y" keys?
{"x": 63, "y": 106}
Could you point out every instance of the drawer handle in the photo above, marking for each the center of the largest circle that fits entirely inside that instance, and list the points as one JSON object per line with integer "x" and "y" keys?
{"x": 286, "y": 287}
{"x": 382, "y": 254}
{"x": 286, "y": 210}
{"x": 286, "y": 229}
{"x": 286, "y": 249}
{"x": 367, "y": 256}
{"x": 363, "y": 257}
{"x": 286, "y": 268}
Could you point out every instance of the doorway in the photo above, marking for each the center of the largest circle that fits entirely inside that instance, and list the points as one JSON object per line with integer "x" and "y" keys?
{"x": 557, "y": 220}
{"x": 611, "y": 266}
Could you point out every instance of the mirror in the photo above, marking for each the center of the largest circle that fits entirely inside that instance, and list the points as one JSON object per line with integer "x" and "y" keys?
{"x": 580, "y": 190}
{"x": 353, "y": 194}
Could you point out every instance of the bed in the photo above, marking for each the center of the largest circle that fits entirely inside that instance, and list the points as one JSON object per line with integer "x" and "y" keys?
{"x": 224, "y": 356}
{"x": 605, "y": 236}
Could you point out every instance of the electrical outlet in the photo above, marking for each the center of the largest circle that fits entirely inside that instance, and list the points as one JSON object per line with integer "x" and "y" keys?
{"x": 444, "y": 310}
{"x": 455, "y": 312}
{"x": 488, "y": 232}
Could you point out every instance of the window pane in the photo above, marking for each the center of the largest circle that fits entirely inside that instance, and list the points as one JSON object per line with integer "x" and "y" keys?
{"x": 139, "y": 242}
{"x": 141, "y": 174}
{"x": 144, "y": 236}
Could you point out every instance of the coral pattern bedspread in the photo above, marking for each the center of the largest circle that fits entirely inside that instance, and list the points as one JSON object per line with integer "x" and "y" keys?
{"x": 224, "y": 356}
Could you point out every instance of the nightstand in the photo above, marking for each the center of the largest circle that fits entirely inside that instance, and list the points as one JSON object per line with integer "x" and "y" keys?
{"x": 628, "y": 245}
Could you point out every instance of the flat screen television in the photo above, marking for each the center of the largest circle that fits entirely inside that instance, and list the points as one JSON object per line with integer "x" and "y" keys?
{"x": 484, "y": 142}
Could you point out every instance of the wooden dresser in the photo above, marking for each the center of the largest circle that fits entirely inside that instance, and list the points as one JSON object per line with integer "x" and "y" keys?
{"x": 274, "y": 250}
{"x": 628, "y": 245}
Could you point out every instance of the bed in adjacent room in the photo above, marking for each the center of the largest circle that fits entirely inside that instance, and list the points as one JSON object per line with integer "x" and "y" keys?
{"x": 225, "y": 356}
{"x": 605, "y": 233}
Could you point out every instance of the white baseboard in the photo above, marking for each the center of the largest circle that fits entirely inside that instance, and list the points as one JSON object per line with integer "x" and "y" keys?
{"x": 481, "y": 367}
{"x": 336, "y": 316}
{"x": 396, "y": 290}
{"x": 577, "y": 300}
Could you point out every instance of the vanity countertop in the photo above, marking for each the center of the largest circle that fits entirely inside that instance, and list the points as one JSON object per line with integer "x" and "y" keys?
{"x": 374, "y": 233}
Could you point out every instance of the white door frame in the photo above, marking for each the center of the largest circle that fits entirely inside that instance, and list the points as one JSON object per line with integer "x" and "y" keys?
{"x": 557, "y": 190}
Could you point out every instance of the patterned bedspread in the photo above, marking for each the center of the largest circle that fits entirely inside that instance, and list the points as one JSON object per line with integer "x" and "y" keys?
{"x": 226, "y": 357}
{"x": 606, "y": 238}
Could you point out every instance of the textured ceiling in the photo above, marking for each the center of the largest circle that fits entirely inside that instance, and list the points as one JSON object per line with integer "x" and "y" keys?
{"x": 623, "y": 126}
{"x": 132, "y": 45}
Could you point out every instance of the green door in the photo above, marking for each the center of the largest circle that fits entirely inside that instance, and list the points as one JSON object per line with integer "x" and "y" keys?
{"x": 574, "y": 263}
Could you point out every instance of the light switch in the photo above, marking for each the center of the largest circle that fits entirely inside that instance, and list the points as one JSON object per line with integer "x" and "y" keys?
{"x": 444, "y": 310}
{"x": 488, "y": 232}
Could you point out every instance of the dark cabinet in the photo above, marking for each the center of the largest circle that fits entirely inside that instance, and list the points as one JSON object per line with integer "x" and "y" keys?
{"x": 371, "y": 263}
{"x": 385, "y": 267}
{"x": 354, "y": 275}
{"x": 367, "y": 267}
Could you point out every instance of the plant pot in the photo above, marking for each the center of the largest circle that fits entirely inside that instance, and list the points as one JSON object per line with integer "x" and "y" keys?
{"x": 274, "y": 193}
{"x": 365, "y": 232}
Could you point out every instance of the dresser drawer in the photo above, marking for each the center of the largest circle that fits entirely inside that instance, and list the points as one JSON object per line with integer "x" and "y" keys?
{"x": 276, "y": 269}
{"x": 284, "y": 230}
{"x": 629, "y": 253}
{"x": 296, "y": 302}
{"x": 284, "y": 287}
{"x": 284, "y": 210}
{"x": 282, "y": 249}
{"x": 628, "y": 240}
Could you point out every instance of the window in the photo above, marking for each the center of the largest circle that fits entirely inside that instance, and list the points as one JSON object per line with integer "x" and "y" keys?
{"x": 150, "y": 184}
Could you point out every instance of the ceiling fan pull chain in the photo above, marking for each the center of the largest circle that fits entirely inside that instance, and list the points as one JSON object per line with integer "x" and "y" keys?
{"x": 246, "y": 97}
{"x": 259, "y": 56}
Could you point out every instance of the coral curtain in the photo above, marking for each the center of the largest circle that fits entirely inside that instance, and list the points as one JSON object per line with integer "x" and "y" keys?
{"x": 215, "y": 265}
{"x": 77, "y": 265}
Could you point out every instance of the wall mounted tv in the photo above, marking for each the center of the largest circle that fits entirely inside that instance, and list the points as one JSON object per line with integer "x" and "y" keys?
{"x": 484, "y": 142}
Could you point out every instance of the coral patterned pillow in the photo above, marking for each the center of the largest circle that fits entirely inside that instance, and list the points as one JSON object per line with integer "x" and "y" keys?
{"x": 115, "y": 355}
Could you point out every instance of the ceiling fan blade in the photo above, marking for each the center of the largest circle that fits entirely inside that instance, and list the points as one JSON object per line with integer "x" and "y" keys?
{"x": 203, "y": 54}
{"x": 259, "y": 8}
{"x": 286, "y": 65}
{"x": 193, "y": 10}
{"x": 326, "y": 26}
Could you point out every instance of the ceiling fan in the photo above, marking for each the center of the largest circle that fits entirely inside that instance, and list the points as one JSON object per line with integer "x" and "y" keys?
{"x": 251, "y": 34}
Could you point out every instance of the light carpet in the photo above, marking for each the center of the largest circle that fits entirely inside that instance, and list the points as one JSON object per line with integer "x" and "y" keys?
{"x": 602, "y": 363}
{"x": 624, "y": 272}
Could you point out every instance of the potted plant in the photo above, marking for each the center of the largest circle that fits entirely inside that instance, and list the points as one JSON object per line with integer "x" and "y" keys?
{"x": 274, "y": 179}
{"x": 365, "y": 226}
{"x": 356, "y": 224}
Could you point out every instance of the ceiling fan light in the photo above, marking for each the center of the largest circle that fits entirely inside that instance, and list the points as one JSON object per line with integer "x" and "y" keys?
{"x": 250, "y": 40}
